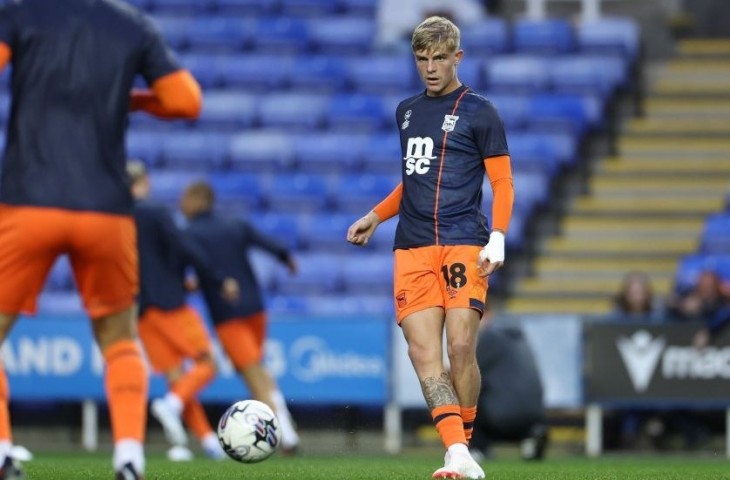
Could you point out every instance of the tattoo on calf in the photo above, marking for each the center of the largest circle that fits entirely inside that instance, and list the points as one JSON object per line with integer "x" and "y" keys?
{"x": 439, "y": 391}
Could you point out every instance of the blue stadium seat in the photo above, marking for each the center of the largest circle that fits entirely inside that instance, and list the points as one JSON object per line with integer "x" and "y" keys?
{"x": 261, "y": 151}
{"x": 368, "y": 272}
{"x": 245, "y": 7}
{"x": 471, "y": 73}
{"x": 293, "y": 110}
{"x": 567, "y": 112}
{"x": 691, "y": 266}
{"x": 384, "y": 237}
{"x": 180, "y": 6}
{"x": 329, "y": 152}
{"x": 551, "y": 36}
{"x": 533, "y": 188}
{"x": 240, "y": 189}
{"x": 593, "y": 74}
{"x": 609, "y": 35}
{"x": 530, "y": 152}
{"x": 168, "y": 185}
{"x": 174, "y": 29}
{"x": 362, "y": 112}
{"x": 264, "y": 265}
{"x": 326, "y": 232}
{"x": 383, "y": 154}
{"x": 145, "y": 146}
{"x": 716, "y": 234}
{"x": 228, "y": 110}
{"x": 283, "y": 227}
{"x": 300, "y": 8}
{"x": 381, "y": 74}
{"x": 342, "y": 35}
{"x": 318, "y": 273}
{"x": 517, "y": 73}
{"x": 60, "y": 277}
{"x": 207, "y": 69}
{"x": 512, "y": 108}
{"x": 280, "y": 34}
{"x": 60, "y": 303}
{"x": 485, "y": 37}
{"x": 298, "y": 193}
{"x": 321, "y": 73}
{"x": 195, "y": 150}
{"x": 365, "y": 8}
{"x": 258, "y": 72}
{"x": 217, "y": 33}
{"x": 561, "y": 145}
{"x": 357, "y": 193}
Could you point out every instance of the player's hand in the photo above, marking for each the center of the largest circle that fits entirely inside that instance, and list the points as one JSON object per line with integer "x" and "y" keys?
{"x": 360, "y": 232}
{"x": 230, "y": 290}
{"x": 491, "y": 257}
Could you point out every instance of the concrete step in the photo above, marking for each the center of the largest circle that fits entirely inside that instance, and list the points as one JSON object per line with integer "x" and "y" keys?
{"x": 613, "y": 226}
{"x": 634, "y": 205}
{"x": 696, "y": 169}
{"x": 674, "y": 146}
{"x": 557, "y": 305}
{"x": 694, "y": 127}
{"x": 659, "y": 186}
{"x": 704, "y": 47}
{"x": 594, "y": 286}
{"x": 554, "y": 265}
{"x": 617, "y": 246}
{"x": 657, "y": 106}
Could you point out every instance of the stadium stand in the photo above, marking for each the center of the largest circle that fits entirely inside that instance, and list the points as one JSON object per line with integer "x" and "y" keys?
{"x": 297, "y": 132}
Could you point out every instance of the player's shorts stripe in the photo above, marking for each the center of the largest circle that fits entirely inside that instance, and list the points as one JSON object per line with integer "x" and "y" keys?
{"x": 475, "y": 303}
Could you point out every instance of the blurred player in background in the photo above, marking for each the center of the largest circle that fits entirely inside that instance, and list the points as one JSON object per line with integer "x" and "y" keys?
{"x": 64, "y": 187}
{"x": 241, "y": 327}
{"x": 171, "y": 331}
{"x": 443, "y": 249}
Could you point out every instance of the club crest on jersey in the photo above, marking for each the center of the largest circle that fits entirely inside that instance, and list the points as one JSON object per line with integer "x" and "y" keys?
{"x": 449, "y": 123}
{"x": 406, "y": 120}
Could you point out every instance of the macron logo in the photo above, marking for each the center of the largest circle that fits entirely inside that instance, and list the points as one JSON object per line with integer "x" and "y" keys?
{"x": 641, "y": 354}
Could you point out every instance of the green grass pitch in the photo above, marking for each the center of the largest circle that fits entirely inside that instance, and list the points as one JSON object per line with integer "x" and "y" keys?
{"x": 401, "y": 467}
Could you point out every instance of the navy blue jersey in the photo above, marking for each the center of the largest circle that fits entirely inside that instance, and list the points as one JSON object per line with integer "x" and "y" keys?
{"x": 74, "y": 63}
{"x": 226, "y": 242}
{"x": 444, "y": 141}
{"x": 164, "y": 255}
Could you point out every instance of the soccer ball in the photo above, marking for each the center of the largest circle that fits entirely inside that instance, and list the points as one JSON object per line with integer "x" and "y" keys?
{"x": 249, "y": 431}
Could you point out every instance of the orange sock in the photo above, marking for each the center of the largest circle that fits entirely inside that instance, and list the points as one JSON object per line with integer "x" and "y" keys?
{"x": 5, "y": 433}
{"x": 126, "y": 389}
{"x": 193, "y": 381}
{"x": 468, "y": 415}
{"x": 194, "y": 417}
{"x": 447, "y": 419}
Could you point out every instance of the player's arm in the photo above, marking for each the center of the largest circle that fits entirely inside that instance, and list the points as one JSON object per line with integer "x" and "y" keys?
{"x": 175, "y": 95}
{"x": 360, "y": 232}
{"x": 499, "y": 172}
{"x": 257, "y": 239}
{"x": 5, "y": 55}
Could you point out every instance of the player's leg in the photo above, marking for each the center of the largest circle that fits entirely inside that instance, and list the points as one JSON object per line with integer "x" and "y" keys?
{"x": 182, "y": 335}
{"x": 464, "y": 292}
{"x": 104, "y": 259}
{"x": 243, "y": 341}
{"x": 196, "y": 419}
{"x": 29, "y": 244}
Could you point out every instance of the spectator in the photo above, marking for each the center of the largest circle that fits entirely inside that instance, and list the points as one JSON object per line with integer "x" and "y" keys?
{"x": 635, "y": 300}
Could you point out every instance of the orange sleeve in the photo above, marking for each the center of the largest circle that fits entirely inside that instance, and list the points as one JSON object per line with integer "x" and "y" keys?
{"x": 5, "y": 54}
{"x": 389, "y": 207}
{"x": 499, "y": 171}
{"x": 175, "y": 95}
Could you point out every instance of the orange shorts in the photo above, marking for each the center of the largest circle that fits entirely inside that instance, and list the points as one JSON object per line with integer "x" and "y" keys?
{"x": 172, "y": 336}
{"x": 243, "y": 339}
{"x": 102, "y": 249}
{"x": 443, "y": 276}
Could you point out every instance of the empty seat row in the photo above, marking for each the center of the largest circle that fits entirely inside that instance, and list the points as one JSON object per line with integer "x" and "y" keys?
{"x": 259, "y": 7}
{"x": 230, "y": 111}
{"x": 384, "y": 74}
{"x": 323, "y": 32}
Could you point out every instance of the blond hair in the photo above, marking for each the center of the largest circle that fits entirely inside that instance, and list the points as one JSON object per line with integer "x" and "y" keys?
{"x": 202, "y": 190}
{"x": 434, "y": 32}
